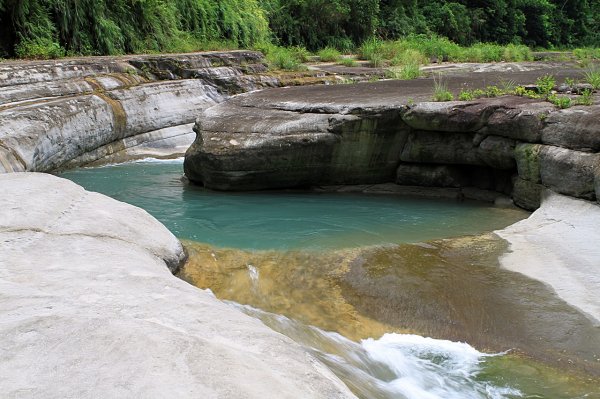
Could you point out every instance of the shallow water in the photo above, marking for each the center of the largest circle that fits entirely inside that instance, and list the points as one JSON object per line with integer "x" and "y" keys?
{"x": 355, "y": 278}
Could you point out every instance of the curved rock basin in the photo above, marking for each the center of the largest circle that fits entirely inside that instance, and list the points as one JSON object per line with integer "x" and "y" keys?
{"x": 345, "y": 264}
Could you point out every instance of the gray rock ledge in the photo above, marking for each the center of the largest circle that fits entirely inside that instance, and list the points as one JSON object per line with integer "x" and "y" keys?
{"x": 89, "y": 310}
{"x": 558, "y": 245}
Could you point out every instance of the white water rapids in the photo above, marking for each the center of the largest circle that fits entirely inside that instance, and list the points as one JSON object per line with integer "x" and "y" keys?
{"x": 395, "y": 366}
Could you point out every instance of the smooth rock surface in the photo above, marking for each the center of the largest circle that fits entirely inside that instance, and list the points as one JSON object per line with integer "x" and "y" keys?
{"x": 90, "y": 309}
{"x": 558, "y": 245}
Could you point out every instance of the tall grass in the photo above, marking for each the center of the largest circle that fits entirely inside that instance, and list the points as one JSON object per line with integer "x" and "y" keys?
{"x": 329, "y": 54}
{"x": 423, "y": 49}
{"x": 592, "y": 76}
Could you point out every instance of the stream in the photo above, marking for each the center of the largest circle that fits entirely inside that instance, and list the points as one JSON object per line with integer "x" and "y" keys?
{"x": 400, "y": 297}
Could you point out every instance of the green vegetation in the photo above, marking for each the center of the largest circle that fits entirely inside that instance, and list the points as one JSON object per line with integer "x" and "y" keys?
{"x": 420, "y": 49}
{"x": 592, "y": 76}
{"x": 390, "y": 32}
{"x": 561, "y": 102}
{"x": 329, "y": 54}
{"x": 345, "y": 23}
{"x": 586, "y": 98}
{"x": 404, "y": 72}
{"x": 545, "y": 84}
{"x": 440, "y": 90}
{"x": 287, "y": 59}
{"x": 348, "y": 62}
{"x": 51, "y": 28}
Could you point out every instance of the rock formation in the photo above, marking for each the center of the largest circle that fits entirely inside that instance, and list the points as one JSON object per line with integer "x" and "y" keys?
{"x": 316, "y": 136}
{"x": 89, "y": 308}
{"x": 57, "y": 114}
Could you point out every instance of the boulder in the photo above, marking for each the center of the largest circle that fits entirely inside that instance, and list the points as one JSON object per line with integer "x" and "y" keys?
{"x": 520, "y": 119}
{"x": 90, "y": 308}
{"x": 242, "y": 145}
{"x": 569, "y": 172}
{"x": 527, "y": 194}
{"x": 574, "y": 128}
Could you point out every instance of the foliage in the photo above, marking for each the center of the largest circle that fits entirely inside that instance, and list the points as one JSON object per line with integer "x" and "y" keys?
{"x": 348, "y": 62}
{"x": 545, "y": 84}
{"x": 523, "y": 92}
{"x": 42, "y": 48}
{"x": 561, "y": 102}
{"x": 329, "y": 54}
{"x": 384, "y": 29}
{"x": 287, "y": 59}
{"x": 91, "y": 27}
{"x": 592, "y": 76}
{"x": 586, "y": 98}
{"x": 405, "y": 72}
{"x": 440, "y": 90}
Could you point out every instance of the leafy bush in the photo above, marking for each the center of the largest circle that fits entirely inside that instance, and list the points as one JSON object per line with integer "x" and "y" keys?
{"x": 561, "y": 102}
{"x": 545, "y": 84}
{"x": 466, "y": 95}
{"x": 39, "y": 49}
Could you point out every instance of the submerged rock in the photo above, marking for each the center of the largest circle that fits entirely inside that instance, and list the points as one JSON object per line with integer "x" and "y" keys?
{"x": 90, "y": 308}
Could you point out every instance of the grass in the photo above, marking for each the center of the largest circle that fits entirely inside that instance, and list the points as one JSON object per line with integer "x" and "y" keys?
{"x": 348, "y": 62}
{"x": 329, "y": 54}
{"x": 588, "y": 53}
{"x": 592, "y": 76}
{"x": 440, "y": 90}
{"x": 283, "y": 58}
{"x": 404, "y": 72}
{"x": 586, "y": 98}
{"x": 423, "y": 49}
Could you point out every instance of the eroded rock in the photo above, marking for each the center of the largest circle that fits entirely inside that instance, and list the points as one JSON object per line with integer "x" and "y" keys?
{"x": 88, "y": 301}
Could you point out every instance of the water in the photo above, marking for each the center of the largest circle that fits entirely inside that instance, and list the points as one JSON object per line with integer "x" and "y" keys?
{"x": 331, "y": 272}
{"x": 396, "y": 366}
{"x": 285, "y": 220}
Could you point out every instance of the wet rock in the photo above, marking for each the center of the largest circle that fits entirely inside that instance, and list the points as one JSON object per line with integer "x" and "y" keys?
{"x": 569, "y": 172}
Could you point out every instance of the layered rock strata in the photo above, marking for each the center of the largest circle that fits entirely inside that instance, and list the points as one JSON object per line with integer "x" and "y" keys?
{"x": 89, "y": 308}
{"x": 55, "y": 114}
{"x": 346, "y": 135}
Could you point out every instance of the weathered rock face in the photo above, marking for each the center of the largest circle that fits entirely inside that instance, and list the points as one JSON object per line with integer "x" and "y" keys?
{"x": 102, "y": 313}
{"x": 55, "y": 114}
{"x": 326, "y": 136}
{"x": 235, "y": 153}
